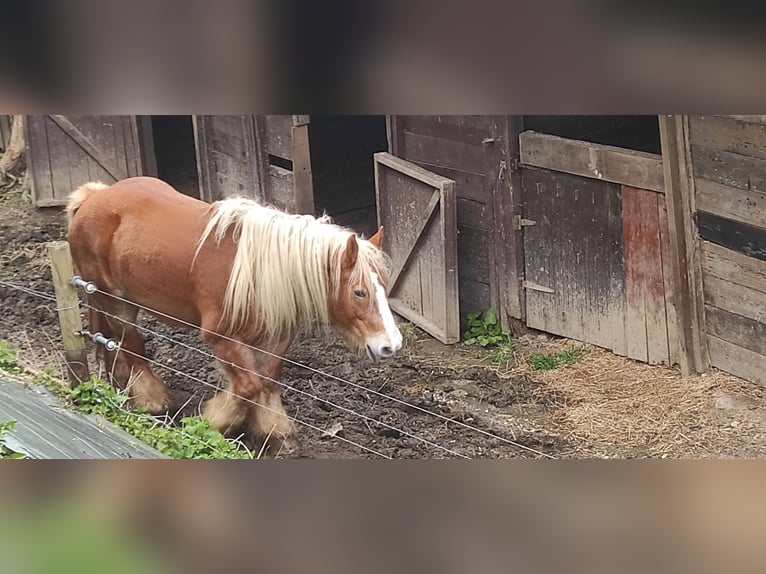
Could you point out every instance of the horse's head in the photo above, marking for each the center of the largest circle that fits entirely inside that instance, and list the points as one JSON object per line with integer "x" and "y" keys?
{"x": 360, "y": 308}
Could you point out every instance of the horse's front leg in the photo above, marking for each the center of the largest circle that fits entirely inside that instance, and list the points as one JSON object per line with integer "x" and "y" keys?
{"x": 252, "y": 396}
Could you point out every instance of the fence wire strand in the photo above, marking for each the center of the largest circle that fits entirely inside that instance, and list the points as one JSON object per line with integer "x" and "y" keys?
{"x": 336, "y": 378}
{"x": 366, "y": 418}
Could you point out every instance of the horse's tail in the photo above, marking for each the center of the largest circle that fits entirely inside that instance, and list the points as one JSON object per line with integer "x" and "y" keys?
{"x": 78, "y": 197}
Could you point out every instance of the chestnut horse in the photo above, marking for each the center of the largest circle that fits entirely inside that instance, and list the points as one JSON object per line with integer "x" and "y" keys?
{"x": 246, "y": 274}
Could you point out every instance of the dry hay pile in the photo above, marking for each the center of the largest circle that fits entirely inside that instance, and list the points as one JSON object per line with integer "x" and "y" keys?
{"x": 616, "y": 402}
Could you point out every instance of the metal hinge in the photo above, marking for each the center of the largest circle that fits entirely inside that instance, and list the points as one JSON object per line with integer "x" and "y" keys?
{"x": 519, "y": 222}
{"x": 535, "y": 287}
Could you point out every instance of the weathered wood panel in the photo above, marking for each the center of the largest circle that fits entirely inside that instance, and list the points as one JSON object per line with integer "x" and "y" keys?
{"x": 278, "y": 136}
{"x": 741, "y": 205}
{"x": 741, "y": 331}
{"x": 419, "y": 214}
{"x": 737, "y": 360}
{"x": 67, "y": 151}
{"x": 739, "y": 299}
{"x": 613, "y": 164}
{"x": 747, "y": 239}
{"x": 229, "y": 160}
{"x": 732, "y": 266}
{"x": 464, "y": 129}
{"x": 671, "y": 299}
{"x": 575, "y": 273}
{"x": 729, "y": 134}
{"x": 443, "y": 153}
{"x": 279, "y": 191}
{"x": 646, "y": 332}
{"x": 728, "y": 168}
{"x": 754, "y": 119}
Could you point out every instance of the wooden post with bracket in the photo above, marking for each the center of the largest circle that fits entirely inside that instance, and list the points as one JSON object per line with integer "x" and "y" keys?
{"x": 68, "y": 306}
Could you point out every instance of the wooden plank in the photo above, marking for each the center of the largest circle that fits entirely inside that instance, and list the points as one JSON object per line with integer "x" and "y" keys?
{"x": 280, "y": 190}
{"x": 442, "y": 152}
{"x": 737, "y": 360}
{"x": 409, "y": 169}
{"x": 667, "y": 276}
{"x": 684, "y": 261}
{"x": 741, "y": 331}
{"x": 735, "y": 298}
{"x": 38, "y": 159}
{"x": 576, "y": 250}
{"x": 746, "y": 206}
{"x": 303, "y": 185}
{"x": 505, "y": 180}
{"x": 608, "y": 163}
{"x": 728, "y": 134}
{"x": 727, "y": 168}
{"x": 278, "y": 131}
{"x": 732, "y": 266}
{"x": 646, "y": 334}
{"x": 741, "y": 237}
{"x": 754, "y": 119}
{"x": 472, "y": 130}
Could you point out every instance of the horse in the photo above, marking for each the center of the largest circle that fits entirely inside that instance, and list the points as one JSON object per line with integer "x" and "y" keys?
{"x": 251, "y": 278}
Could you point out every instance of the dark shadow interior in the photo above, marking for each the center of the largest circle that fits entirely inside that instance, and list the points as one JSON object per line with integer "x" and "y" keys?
{"x": 640, "y": 133}
{"x": 173, "y": 139}
{"x": 342, "y": 167}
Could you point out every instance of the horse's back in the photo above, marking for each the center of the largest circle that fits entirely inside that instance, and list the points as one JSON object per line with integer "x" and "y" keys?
{"x": 138, "y": 237}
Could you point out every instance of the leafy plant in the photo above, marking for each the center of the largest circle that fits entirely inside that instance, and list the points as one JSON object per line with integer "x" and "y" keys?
{"x": 484, "y": 329}
{"x": 548, "y": 361}
{"x": 192, "y": 437}
{"x": 5, "y": 452}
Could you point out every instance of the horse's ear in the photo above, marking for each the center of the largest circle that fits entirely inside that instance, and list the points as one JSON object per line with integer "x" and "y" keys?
{"x": 352, "y": 251}
{"x": 377, "y": 239}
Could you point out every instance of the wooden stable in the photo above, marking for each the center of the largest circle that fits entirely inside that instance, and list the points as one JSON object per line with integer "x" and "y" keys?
{"x": 645, "y": 235}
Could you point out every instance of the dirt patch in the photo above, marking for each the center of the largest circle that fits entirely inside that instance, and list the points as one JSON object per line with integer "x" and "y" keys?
{"x": 601, "y": 406}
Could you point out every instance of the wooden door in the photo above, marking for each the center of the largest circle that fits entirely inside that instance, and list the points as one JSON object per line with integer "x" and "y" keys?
{"x": 477, "y": 152}
{"x": 417, "y": 210}
{"x": 67, "y": 151}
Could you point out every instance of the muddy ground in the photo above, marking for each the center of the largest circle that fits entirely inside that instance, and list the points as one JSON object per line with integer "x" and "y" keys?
{"x": 600, "y": 406}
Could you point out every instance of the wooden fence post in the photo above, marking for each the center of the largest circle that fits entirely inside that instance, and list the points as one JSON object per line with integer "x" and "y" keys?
{"x": 67, "y": 302}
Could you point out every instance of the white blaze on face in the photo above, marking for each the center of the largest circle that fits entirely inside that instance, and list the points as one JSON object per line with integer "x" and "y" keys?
{"x": 392, "y": 332}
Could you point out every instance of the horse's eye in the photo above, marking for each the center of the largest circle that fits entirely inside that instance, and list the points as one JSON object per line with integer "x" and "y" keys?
{"x": 359, "y": 293}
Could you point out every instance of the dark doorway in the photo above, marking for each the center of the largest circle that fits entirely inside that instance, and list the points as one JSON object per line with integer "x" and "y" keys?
{"x": 342, "y": 166}
{"x": 172, "y": 138}
{"x": 640, "y": 133}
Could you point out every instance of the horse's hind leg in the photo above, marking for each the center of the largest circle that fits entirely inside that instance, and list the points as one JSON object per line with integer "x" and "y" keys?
{"x": 128, "y": 365}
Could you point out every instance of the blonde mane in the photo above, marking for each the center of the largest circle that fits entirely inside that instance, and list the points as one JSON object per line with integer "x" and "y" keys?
{"x": 285, "y": 268}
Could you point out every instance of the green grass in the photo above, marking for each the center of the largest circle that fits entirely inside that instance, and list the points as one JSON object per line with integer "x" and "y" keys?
{"x": 548, "y": 361}
{"x": 191, "y": 437}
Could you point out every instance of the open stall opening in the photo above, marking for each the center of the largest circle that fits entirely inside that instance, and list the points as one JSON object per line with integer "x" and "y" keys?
{"x": 639, "y": 133}
{"x": 342, "y": 149}
{"x": 174, "y": 155}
